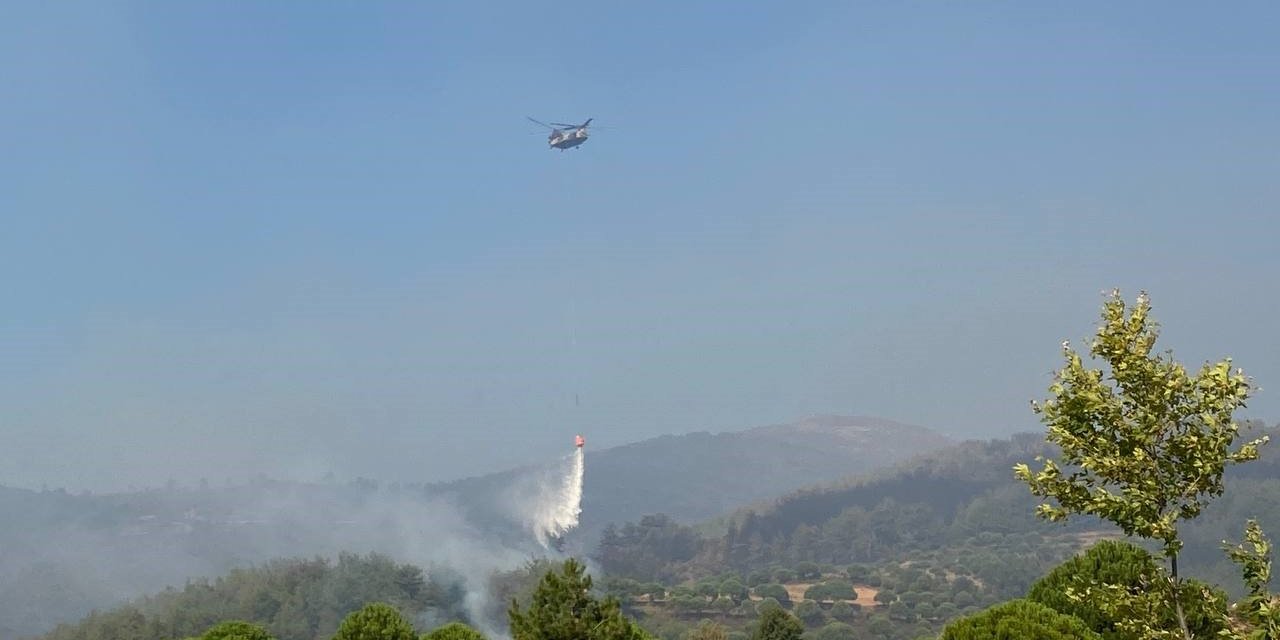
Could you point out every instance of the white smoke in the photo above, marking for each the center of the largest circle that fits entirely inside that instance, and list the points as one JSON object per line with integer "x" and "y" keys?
{"x": 551, "y": 502}
{"x": 168, "y": 543}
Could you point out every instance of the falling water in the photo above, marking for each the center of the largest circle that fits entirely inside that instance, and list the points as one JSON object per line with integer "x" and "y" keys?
{"x": 559, "y": 503}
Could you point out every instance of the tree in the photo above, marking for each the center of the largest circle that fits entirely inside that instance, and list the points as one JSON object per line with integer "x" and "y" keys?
{"x": 733, "y": 588}
{"x": 1018, "y": 619}
{"x": 562, "y": 608}
{"x": 830, "y": 590}
{"x": 236, "y": 630}
{"x": 809, "y": 612}
{"x": 809, "y": 570}
{"x": 375, "y": 621}
{"x": 768, "y": 604}
{"x": 842, "y": 610}
{"x": 707, "y": 588}
{"x": 1260, "y": 610}
{"x": 1123, "y": 565}
{"x": 857, "y": 572}
{"x": 707, "y": 630}
{"x": 774, "y": 590}
{"x": 835, "y": 631}
{"x": 880, "y": 626}
{"x": 454, "y": 631}
{"x": 1146, "y": 447}
{"x": 777, "y": 624}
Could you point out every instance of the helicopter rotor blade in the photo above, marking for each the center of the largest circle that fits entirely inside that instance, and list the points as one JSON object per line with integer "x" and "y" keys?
{"x": 539, "y": 122}
{"x": 574, "y": 126}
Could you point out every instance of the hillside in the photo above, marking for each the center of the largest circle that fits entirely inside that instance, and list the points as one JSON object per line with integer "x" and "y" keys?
{"x": 896, "y": 553}
{"x": 690, "y": 477}
{"x": 67, "y": 554}
{"x": 956, "y": 497}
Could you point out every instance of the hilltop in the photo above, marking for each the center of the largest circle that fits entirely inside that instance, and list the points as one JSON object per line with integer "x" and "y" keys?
{"x": 700, "y": 475}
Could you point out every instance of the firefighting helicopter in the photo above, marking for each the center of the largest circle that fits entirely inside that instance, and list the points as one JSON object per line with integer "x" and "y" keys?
{"x": 565, "y": 136}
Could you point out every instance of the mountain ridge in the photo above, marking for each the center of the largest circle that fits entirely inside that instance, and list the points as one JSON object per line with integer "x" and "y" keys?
{"x": 127, "y": 544}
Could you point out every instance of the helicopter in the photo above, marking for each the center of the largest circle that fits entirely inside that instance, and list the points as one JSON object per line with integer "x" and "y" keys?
{"x": 565, "y": 136}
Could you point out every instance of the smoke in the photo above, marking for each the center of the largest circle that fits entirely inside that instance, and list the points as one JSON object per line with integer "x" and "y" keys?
{"x": 158, "y": 539}
{"x": 550, "y": 503}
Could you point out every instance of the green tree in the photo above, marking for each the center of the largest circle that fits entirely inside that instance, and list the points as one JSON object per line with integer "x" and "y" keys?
{"x": 707, "y": 630}
{"x": 733, "y": 588}
{"x": 454, "y": 631}
{"x": 857, "y": 572}
{"x": 768, "y": 604}
{"x": 830, "y": 590}
{"x": 835, "y": 631}
{"x": 1143, "y": 447}
{"x": 562, "y": 608}
{"x": 842, "y": 610}
{"x": 236, "y": 630}
{"x": 375, "y": 621}
{"x": 773, "y": 590}
{"x": 1018, "y": 619}
{"x": 809, "y": 612}
{"x": 1260, "y": 610}
{"x": 777, "y": 624}
{"x": 1123, "y": 565}
{"x": 880, "y": 626}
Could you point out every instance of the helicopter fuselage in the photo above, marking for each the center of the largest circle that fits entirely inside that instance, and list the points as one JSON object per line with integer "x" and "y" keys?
{"x": 568, "y": 140}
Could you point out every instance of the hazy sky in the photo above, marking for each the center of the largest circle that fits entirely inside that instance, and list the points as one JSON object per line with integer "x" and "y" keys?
{"x": 295, "y": 237}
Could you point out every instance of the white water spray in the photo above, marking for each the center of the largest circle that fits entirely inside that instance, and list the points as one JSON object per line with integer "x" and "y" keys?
{"x": 556, "y": 508}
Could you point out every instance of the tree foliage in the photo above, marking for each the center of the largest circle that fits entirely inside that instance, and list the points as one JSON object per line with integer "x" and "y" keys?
{"x": 293, "y": 599}
{"x": 1132, "y": 569}
{"x": 1019, "y": 619}
{"x": 707, "y": 630}
{"x": 835, "y": 631}
{"x": 773, "y": 590}
{"x": 375, "y": 621}
{"x": 1146, "y": 446}
{"x": 830, "y": 590}
{"x": 454, "y": 631}
{"x": 777, "y": 624}
{"x": 563, "y": 608}
{"x": 1259, "y": 611}
{"x": 236, "y": 630}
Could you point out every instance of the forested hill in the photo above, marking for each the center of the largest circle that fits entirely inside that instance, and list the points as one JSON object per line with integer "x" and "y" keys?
{"x": 295, "y": 599}
{"x": 963, "y": 497}
{"x": 702, "y": 475}
{"x": 66, "y": 554}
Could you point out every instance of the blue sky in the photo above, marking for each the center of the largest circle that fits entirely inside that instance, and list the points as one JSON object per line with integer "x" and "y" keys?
{"x": 299, "y": 237}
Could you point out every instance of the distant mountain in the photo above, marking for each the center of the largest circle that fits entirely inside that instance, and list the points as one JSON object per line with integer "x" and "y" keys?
{"x": 73, "y": 553}
{"x": 700, "y": 475}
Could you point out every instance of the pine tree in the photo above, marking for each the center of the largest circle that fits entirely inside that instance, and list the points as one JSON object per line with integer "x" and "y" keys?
{"x": 563, "y": 608}
{"x": 376, "y": 621}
